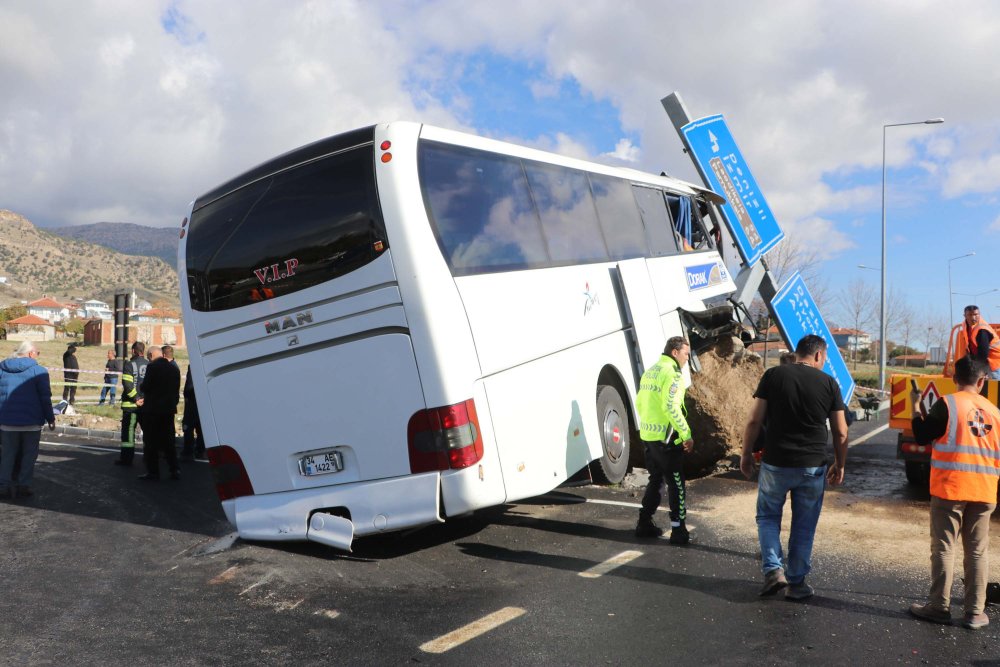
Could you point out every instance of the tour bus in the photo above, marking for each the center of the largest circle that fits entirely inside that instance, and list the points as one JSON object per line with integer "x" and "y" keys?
{"x": 403, "y": 323}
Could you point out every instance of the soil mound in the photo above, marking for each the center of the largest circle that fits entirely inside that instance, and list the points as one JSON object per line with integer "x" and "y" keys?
{"x": 719, "y": 402}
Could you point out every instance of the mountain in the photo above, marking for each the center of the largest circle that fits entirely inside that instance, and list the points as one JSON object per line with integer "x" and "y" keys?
{"x": 35, "y": 261}
{"x": 127, "y": 238}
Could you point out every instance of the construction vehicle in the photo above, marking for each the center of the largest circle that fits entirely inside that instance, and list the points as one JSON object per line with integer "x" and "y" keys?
{"x": 931, "y": 387}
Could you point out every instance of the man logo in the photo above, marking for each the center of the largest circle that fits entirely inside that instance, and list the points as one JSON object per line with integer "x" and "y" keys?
{"x": 978, "y": 424}
{"x": 288, "y": 322}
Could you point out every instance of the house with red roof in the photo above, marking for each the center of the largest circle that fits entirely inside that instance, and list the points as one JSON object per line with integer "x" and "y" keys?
{"x": 48, "y": 309}
{"x": 30, "y": 327}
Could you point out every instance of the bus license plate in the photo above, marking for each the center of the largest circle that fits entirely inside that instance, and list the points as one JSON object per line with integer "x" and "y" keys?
{"x": 321, "y": 464}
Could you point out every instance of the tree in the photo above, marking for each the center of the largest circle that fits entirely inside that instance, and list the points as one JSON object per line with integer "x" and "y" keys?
{"x": 907, "y": 325}
{"x": 856, "y": 303}
{"x": 790, "y": 256}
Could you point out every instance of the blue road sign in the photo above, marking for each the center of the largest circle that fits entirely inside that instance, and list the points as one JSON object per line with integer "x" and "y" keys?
{"x": 798, "y": 316}
{"x": 722, "y": 166}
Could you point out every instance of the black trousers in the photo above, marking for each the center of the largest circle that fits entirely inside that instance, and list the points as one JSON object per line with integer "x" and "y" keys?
{"x": 69, "y": 391}
{"x": 665, "y": 463}
{"x": 157, "y": 439}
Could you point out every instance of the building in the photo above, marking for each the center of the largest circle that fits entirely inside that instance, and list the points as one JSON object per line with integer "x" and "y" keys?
{"x": 47, "y": 309}
{"x": 102, "y": 332}
{"x": 95, "y": 308}
{"x": 851, "y": 339}
{"x": 156, "y": 315}
{"x": 30, "y": 327}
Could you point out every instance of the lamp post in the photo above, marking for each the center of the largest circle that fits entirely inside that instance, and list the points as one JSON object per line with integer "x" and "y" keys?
{"x": 951, "y": 307}
{"x": 882, "y": 331}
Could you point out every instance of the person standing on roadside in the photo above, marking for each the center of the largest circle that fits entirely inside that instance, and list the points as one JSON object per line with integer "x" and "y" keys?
{"x": 112, "y": 370}
{"x": 132, "y": 376}
{"x": 979, "y": 341}
{"x": 964, "y": 428}
{"x": 70, "y": 374}
{"x": 168, "y": 354}
{"x": 194, "y": 439}
{"x": 664, "y": 430}
{"x": 795, "y": 401}
{"x": 160, "y": 394}
{"x": 25, "y": 405}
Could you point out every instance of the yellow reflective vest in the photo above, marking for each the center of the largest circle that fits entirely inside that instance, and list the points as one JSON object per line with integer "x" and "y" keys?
{"x": 660, "y": 403}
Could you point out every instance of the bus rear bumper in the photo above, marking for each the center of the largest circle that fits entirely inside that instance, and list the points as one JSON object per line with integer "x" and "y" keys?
{"x": 341, "y": 512}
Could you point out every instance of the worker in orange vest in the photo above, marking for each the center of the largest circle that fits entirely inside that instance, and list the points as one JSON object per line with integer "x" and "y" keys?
{"x": 979, "y": 341}
{"x": 965, "y": 469}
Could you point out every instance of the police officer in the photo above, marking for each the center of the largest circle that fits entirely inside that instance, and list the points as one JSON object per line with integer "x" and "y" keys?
{"x": 664, "y": 430}
{"x": 132, "y": 376}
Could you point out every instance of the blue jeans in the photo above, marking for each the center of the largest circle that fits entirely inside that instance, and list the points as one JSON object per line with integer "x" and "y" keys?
{"x": 807, "y": 486}
{"x": 104, "y": 392}
{"x": 23, "y": 444}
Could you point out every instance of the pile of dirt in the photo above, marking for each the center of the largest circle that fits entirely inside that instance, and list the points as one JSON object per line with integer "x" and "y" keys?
{"x": 719, "y": 403}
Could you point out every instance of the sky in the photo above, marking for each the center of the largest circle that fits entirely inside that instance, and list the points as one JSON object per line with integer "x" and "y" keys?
{"x": 123, "y": 111}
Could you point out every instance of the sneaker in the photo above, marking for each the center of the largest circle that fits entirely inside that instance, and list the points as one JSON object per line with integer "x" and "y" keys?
{"x": 679, "y": 535}
{"x": 929, "y": 613}
{"x": 799, "y": 591}
{"x": 647, "y": 529}
{"x": 774, "y": 581}
{"x": 975, "y": 621}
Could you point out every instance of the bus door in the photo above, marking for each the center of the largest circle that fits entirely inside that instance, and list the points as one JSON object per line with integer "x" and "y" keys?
{"x": 640, "y": 313}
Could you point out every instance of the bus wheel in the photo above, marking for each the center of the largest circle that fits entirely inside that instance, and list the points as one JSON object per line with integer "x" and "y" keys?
{"x": 613, "y": 421}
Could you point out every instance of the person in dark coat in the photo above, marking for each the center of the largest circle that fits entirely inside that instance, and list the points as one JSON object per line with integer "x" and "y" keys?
{"x": 160, "y": 394}
{"x": 70, "y": 376}
{"x": 194, "y": 439}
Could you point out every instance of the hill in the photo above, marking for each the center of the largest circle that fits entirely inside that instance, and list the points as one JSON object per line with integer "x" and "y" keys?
{"x": 35, "y": 261}
{"x": 127, "y": 238}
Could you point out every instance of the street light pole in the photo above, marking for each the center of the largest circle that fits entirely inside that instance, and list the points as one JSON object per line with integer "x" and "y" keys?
{"x": 882, "y": 327}
{"x": 951, "y": 307}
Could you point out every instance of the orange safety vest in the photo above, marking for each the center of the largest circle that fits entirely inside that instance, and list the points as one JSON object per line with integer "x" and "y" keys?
{"x": 965, "y": 461}
{"x": 966, "y": 344}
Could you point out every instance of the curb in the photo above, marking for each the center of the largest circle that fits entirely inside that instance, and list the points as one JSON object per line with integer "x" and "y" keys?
{"x": 101, "y": 434}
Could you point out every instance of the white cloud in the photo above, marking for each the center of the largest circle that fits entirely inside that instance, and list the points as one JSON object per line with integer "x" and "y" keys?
{"x": 995, "y": 226}
{"x": 625, "y": 151}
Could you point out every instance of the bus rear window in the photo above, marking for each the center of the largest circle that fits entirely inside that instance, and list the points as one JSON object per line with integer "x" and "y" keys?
{"x": 286, "y": 232}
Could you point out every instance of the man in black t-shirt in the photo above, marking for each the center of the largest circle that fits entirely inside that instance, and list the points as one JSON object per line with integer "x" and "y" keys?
{"x": 795, "y": 400}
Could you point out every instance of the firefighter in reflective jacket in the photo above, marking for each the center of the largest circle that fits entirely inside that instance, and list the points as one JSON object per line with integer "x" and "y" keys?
{"x": 132, "y": 375}
{"x": 965, "y": 469}
{"x": 979, "y": 341}
{"x": 664, "y": 430}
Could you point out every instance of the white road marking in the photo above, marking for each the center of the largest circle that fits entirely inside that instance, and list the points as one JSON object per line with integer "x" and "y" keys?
{"x": 610, "y": 564}
{"x": 868, "y": 435}
{"x": 260, "y": 582}
{"x": 45, "y": 458}
{"x": 90, "y": 447}
{"x": 472, "y": 630}
{"x": 328, "y": 613}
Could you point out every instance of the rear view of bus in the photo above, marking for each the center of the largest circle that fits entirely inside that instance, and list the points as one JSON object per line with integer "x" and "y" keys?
{"x": 301, "y": 353}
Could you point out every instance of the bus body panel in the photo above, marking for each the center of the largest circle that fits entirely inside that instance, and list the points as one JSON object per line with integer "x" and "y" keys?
{"x": 545, "y": 413}
{"x": 355, "y": 398}
{"x": 672, "y": 284}
{"x": 524, "y": 315}
{"x": 481, "y": 485}
{"x": 440, "y": 331}
{"x": 375, "y": 506}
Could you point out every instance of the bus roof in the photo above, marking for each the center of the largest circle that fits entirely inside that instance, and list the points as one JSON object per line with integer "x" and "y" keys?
{"x": 357, "y": 137}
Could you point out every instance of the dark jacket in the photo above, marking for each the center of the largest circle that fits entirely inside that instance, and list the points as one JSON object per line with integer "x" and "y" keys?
{"x": 161, "y": 388}
{"x": 132, "y": 376}
{"x": 190, "y": 403}
{"x": 112, "y": 370}
{"x": 69, "y": 361}
{"x": 25, "y": 393}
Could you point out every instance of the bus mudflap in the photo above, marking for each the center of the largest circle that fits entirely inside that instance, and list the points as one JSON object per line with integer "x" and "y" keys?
{"x": 333, "y": 531}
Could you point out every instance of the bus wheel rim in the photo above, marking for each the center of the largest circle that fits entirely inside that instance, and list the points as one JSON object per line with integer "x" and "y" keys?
{"x": 614, "y": 438}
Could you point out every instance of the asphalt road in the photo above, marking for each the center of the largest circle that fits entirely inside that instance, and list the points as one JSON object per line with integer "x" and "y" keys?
{"x": 102, "y": 568}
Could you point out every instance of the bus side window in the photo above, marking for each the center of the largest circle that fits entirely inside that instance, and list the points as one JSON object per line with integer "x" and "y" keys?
{"x": 567, "y": 212}
{"x": 688, "y": 227}
{"x": 480, "y": 208}
{"x": 619, "y": 217}
{"x": 655, "y": 220}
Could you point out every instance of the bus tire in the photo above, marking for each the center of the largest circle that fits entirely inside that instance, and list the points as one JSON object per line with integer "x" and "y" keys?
{"x": 918, "y": 473}
{"x": 613, "y": 426}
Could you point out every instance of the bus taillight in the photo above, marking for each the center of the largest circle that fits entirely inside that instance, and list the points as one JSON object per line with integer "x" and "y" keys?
{"x": 229, "y": 473}
{"x": 444, "y": 438}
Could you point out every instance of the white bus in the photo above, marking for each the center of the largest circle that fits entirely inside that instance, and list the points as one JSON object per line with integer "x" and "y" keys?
{"x": 403, "y": 323}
